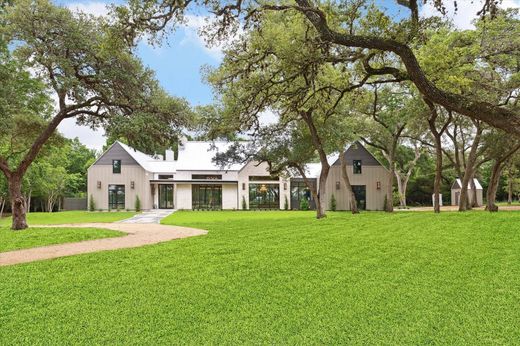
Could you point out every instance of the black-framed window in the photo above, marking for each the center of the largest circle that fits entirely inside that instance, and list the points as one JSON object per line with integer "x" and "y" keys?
{"x": 263, "y": 178}
{"x": 357, "y": 166}
{"x": 165, "y": 176}
{"x": 116, "y": 166}
{"x": 116, "y": 197}
{"x": 264, "y": 196}
{"x": 207, "y": 176}
{"x": 206, "y": 196}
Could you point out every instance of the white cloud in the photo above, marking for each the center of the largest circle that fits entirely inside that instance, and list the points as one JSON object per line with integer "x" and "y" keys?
{"x": 466, "y": 11}
{"x": 92, "y": 7}
{"x": 92, "y": 139}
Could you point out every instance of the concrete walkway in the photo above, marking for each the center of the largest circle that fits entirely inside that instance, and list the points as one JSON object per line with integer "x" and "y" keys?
{"x": 152, "y": 216}
{"x": 138, "y": 235}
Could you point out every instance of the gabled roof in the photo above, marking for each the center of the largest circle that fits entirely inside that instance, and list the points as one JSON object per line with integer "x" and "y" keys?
{"x": 457, "y": 184}
{"x": 131, "y": 156}
{"x": 198, "y": 156}
{"x": 358, "y": 152}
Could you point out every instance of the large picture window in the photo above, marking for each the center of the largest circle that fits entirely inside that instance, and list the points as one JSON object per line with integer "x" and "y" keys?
{"x": 116, "y": 197}
{"x": 206, "y": 197}
{"x": 116, "y": 166}
{"x": 264, "y": 196}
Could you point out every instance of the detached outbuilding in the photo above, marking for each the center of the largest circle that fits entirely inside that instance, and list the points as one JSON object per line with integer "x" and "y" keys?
{"x": 457, "y": 186}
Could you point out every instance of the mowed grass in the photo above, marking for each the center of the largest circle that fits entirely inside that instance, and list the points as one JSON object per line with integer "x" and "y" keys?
{"x": 35, "y": 237}
{"x": 63, "y": 217}
{"x": 282, "y": 278}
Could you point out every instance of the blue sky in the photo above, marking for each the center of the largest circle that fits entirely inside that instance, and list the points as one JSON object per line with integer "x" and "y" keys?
{"x": 179, "y": 60}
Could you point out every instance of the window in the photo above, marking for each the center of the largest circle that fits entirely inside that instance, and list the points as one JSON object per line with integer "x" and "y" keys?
{"x": 207, "y": 176}
{"x": 357, "y": 166}
{"x": 300, "y": 191}
{"x": 116, "y": 197}
{"x": 162, "y": 176}
{"x": 263, "y": 178}
{"x": 206, "y": 197}
{"x": 264, "y": 196}
{"x": 116, "y": 166}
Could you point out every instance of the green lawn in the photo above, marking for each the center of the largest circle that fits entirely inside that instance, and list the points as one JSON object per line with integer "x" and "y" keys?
{"x": 33, "y": 237}
{"x": 71, "y": 217}
{"x": 282, "y": 278}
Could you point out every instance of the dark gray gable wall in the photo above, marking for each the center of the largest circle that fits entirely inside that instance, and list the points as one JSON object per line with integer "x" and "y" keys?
{"x": 358, "y": 152}
{"x": 116, "y": 152}
{"x": 456, "y": 185}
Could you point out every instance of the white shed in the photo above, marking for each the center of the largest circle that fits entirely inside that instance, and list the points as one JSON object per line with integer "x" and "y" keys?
{"x": 455, "y": 192}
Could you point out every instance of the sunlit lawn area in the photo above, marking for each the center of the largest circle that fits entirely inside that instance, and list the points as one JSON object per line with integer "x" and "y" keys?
{"x": 282, "y": 278}
{"x": 33, "y": 237}
{"x": 71, "y": 217}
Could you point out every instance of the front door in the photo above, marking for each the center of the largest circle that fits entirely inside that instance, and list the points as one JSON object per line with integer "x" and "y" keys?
{"x": 165, "y": 196}
{"x": 360, "y": 191}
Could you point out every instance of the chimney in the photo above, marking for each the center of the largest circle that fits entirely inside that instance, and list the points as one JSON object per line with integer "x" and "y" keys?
{"x": 182, "y": 142}
{"x": 169, "y": 155}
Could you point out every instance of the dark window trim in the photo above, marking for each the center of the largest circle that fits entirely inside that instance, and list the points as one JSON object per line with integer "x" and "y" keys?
{"x": 206, "y": 176}
{"x": 263, "y": 178}
{"x": 354, "y": 166}
{"x": 114, "y": 171}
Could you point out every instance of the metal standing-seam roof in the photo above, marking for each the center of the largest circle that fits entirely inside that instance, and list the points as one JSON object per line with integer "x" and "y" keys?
{"x": 458, "y": 184}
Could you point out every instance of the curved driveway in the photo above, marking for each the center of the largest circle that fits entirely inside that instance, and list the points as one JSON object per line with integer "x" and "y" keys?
{"x": 139, "y": 234}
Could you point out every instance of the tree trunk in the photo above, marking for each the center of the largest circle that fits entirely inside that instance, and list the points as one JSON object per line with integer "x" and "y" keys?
{"x": 28, "y": 201}
{"x": 401, "y": 189}
{"x": 2, "y": 206}
{"x": 464, "y": 198}
{"x": 320, "y": 206}
{"x": 493, "y": 187}
{"x": 438, "y": 175}
{"x": 348, "y": 186}
{"x": 17, "y": 203}
{"x": 390, "y": 187}
{"x": 474, "y": 201}
{"x": 509, "y": 188}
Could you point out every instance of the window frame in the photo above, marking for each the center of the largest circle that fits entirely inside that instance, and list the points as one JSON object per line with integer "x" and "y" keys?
{"x": 355, "y": 166}
{"x": 114, "y": 167}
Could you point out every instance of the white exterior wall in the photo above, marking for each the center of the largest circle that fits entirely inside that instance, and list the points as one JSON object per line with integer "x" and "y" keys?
{"x": 480, "y": 199}
{"x": 182, "y": 198}
{"x": 369, "y": 177}
{"x": 129, "y": 173}
{"x": 229, "y": 196}
{"x": 251, "y": 169}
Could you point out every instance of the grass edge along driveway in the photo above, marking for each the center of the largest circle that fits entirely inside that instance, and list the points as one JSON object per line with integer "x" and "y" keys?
{"x": 283, "y": 278}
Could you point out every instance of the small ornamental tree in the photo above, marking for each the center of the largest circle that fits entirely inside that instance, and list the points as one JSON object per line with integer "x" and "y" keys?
{"x": 244, "y": 203}
{"x": 137, "y": 204}
{"x": 286, "y": 204}
{"x": 333, "y": 202}
{"x": 304, "y": 204}
{"x": 91, "y": 204}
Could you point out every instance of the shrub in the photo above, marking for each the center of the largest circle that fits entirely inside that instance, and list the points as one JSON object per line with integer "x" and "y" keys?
{"x": 91, "y": 204}
{"x": 304, "y": 204}
{"x": 137, "y": 204}
{"x": 333, "y": 203}
{"x": 286, "y": 204}
{"x": 244, "y": 203}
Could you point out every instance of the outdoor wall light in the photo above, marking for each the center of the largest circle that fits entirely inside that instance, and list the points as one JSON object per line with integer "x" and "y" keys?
{"x": 99, "y": 185}
{"x": 337, "y": 185}
{"x": 132, "y": 184}
{"x": 378, "y": 184}
{"x": 243, "y": 186}
{"x": 285, "y": 186}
